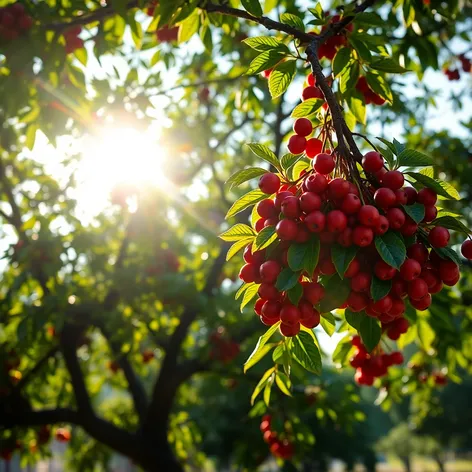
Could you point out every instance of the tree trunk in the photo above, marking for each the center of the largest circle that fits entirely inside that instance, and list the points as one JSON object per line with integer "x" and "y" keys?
{"x": 440, "y": 463}
{"x": 406, "y": 462}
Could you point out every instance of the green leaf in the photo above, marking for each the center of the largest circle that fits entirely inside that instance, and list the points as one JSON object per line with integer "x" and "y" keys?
{"x": 237, "y": 246}
{"x": 341, "y": 60}
{"x": 361, "y": 48}
{"x": 306, "y": 352}
{"x": 307, "y": 108}
{"x": 342, "y": 257}
{"x": 267, "y": 389}
{"x": 342, "y": 351}
{"x": 358, "y": 108}
{"x": 262, "y": 383}
{"x": 259, "y": 352}
{"x": 379, "y": 288}
{"x": 370, "y": 332}
{"x": 390, "y": 145}
{"x": 265, "y": 238}
{"x": 292, "y": 20}
{"x": 295, "y": 294}
{"x": 246, "y": 201}
{"x": 450, "y": 222}
{"x": 387, "y": 64}
{"x": 288, "y": 160}
{"x": 278, "y": 353}
{"x": 265, "y": 153}
{"x": 348, "y": 78}
{"x": 336, "y": 293}
{"x": 237, "y": 232}
{"x": 428, "y": 171}
{"x": 31, "y": 136}
{"x": 252, "y": 6}
{"x": 426, "y": 334}
{"x": 370, "y": 19}
{"x": 264, "y": 43}
{"x": 265, "y": 60}
{"x": 167, "y": 9}
{"x": 317, "y": 11}
{"x": 380, "y": 86}
{"x": 415, "y": 211}
{"x": 354, "y": 319}
{"x": 249, "y": 294}
{"x": 399, "y": 147}
{"x": 411, "y": 158}
{"x": 244, "y": 175}
{"x": 242, "y": 289}
{"x": 287, "y": 279}
{"x": 283, "y": 382}
{"x": 312, "y": 256}
{"x": 281, "y": 77}
{"x": 391, "y": 248}
{"x": 299, "y": 252}
{"x": 302, "y": 164}
{"x": 440, "y": 187}
{"x": 328, "y": 322}
{"x": 448, "y": 253}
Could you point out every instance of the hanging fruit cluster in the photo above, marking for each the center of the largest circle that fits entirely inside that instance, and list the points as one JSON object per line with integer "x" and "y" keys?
{"x": 279, "y": 447}
{"x": 14, "y": 20}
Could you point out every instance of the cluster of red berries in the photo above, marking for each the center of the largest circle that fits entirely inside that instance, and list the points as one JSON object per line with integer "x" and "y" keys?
{"x": 13, "y": 21}
{"x": 167, "y": 34}
{"x": 329, "y": 48}
{"x": 454, "y": 74}
{"x": 282, "y": 448}
{"x": 369, "y": 95}
{"x": 223, "y": 349}
{"x": 71, "y": 36}
{"x": 370, "y": 366}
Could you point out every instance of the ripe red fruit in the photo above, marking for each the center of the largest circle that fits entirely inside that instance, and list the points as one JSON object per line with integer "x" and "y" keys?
{"x": 306, "y": 310}
{"x": 310, "y": 201}
{"x": 327, "y": 267}
{"x": 268, "y": 292}
{"x": 280, "y": 197}
{"x": 352, "y": 269}
{"x": 287, "y": 230}
{"x": 417, "y": 289}
{"x": 260, "y": 224}
{"x": 289, "y": 330}
{"x": 383, "y": 305}
{"x": 361, "y": 282}
{"x": 411, "y": 195}
{"x": 401, "y": 196}
{"x": 303, "y": 127}
{"x": 396, "y": 218}
{"x": 423, "y": 303}
{"x": 271, "y": 309}
{"x": 269, "y": 183}
{"x": 291, "y": 207}
{"x": 453, "y": 281}
{"x": 368, "y": 215}
{"x": 345, "y": 238}
{"x": 466, "y": 249}
{"x": 385, "y": 271}
{"x": 296, "y": 144}
{"x": 62, "y": 435}
{"x": 269, "y": 271}
{"x": 399, "y": 288}
{"x": 362, "y": 236}
{"x": 258, "y": 306}
{"x": 448, "y": 270}
{"x": 385, "y": 198}
{"x": 410, "y": 270}
{"x": 312, "y": 322}
{"x": 409, "y": 228}
{"x": 427, "y": 197}
{"x": 396, "y": 358}
{"x": 430, "y": 213}
{"x": 313, "y": 292}
{"x": 313, "y": 147}
{"x": 439, "y": 237}
{"x": 311, "y": 80}
{"x": 7, "y": 19}
{"x": 311, "y": 92}
{"x": 357, "y": 301}
{"x": 317, "y": 183}
{"x": 419, "y": 252}
{"x": 393, "y": 180}
{"x": 289, "y": 314}
{"x": 382, "y": 226}
{"x": 436, "y": 288}
{"x": 336, "y": 221}
{"x": 338, "y": 188}
{"x": 324, "y": 163}
{"x": 351, "y": 204}
{"x": 249, "y": 273}
{"x": 398, "y": 307}
{"x": 315, "y": 221}
{"x": 372, "y": 162}
{"x": 266, "y": 208}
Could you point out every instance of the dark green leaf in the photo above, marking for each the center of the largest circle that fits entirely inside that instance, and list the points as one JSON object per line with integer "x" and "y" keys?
{"x": 387, "y": 64}
{"x": 298, "y": 253}
{"x": 348, "y": 78}
{"x": 307, "y": 108}
{"x": 354, "y": 319}
{"x": 370, "y": 332}
{"x": 391, "y": 248}
{"x": 361, "y": 49}
{"x": 281, "y": 77}
{"x": 252, "y": 6}
{"x": 312, "y": 256}
{"x": 265, "y": 238}
{"x": 415, "y": 211}
{"x": 265, "y": 153}
{"x": 244, "y": 175}
{"x": 379, "y": 288}
{"x": 390, "y": 145}
{"x": 306, "y": 352}
{"x": 295, "y": 294}
{"x": 411, "y": 158}
{"x": 448, "y": 253}
{"x": 342, "y": 257}
{"x": 261, "y": 343}
{"x": 246, "y": 201}
{"x": 342, "y": 351}
{"x": 370, "y": 19}
{"x": 358, "y": 108}
{"x": 441, "y": 188}
{"x": 336, "y": 293}
{"x": 341, "y": 60}
{"x": 380, "y": 86}
{"x": 451, "y": 222}
{"x": 399, "y": 147}
{"x": 287, "y": 279}
{"x": 265, "y": 60}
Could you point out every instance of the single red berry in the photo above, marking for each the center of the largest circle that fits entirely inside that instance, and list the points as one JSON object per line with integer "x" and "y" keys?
{"x": 280, "y": 197}
{"x": 419, "y": 252}
{"x": 385, "y": 198}
{"x": 356, "y": 341}
{"x": 466, "y": 249}
{"x": 313, "y": 292}
{"x": 393, "y": 180}
{"x": 296, "y": 144}
{"x": 411, "y": 195}
{"x": 249, "y": 273}
{"x": 310, "y": 201}
{"x": 336, "y": 221}
{"x": 317, "y": 183}
{"x": 399, "y": 288}
{"x": 312, "y": 322}
{"x": 260, "y": 225}
{"x": 258, "y": 306}
{"x": 453, "y": 281}
{"x": 396, "y": 358}
{"x": 345, "y": 238}
{"x": 266, "y": 208}
{"x": 315, "y": 221}
{"x": 362, "y": 236}
{"x": 7, "y": 19}
{"x": 357, "y": 301}
{"x": 306, "y": 309}
{"x": 448, "y": 270}
{"x": 311, "y": 81}
{"x": 396, "y": 218}
{"x": 410, "y": 270}
{"x": 372, "y": 162}
{"x": 436, "y": 288}
{"x": 409, "y": 228}
{"x": 338, "y": 188}
{"x": 427, "y": 197}
{"x": 361, "y": 282}
{"x": 423, "y": 303}
{"x": 289, "y": 314}
{"x": 303, "y": 127}
{"x": 383, "y": 305}
{"x": 324, "y": 163}
{"x": 430, "y": 213}
{"x": 311, "y": 92}
{"x": 268, "y": 292}
{"x": 382, "y": 226}
{"x": 313, "y": 147}
{"x": 287, "y": 229}
{"x": 269, "y": 183}
{"x": 353, "y": 268}
{"x": 269, "y": 271}
{"x": 398, "y": 307}
{"x": 439, "y": 237}
{"x": 401, "y": 196}
{"x": 417, "y": 289}
{"x": 368, "y": 215}
{"x": 351, "y": 204}
{"x": 291, "y": 207}
{"x": 289, "y": 330}
{"x": 271, "y": 309}
{"x": 327, "y": 267}
{"x": 384, "y": 271}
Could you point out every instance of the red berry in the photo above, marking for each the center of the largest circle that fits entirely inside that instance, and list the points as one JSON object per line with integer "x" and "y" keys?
{"x": 396, "y": 358}
{"x": 401, "y": 196}
{"x": 258, "y": 306}
{"x": 352, "y": 269}
{"x": 384, "y": 271}
{"x": 436, "y": 288}
{"x": 313, "y": 292}
{"x": 357, "y": 301}
{"x": 291, "y": 207}
{"x": 324, "y": 163}
{"x": 383, "y": 305}
{"x": 385, "y": 198}
{"x": 296, "y": 144}
{"x": 312, "y": 322}
{"x": 439, "y": 237}
{"x": 266, "y": 208}
{"x": 306, "y": 310}
{"x": 315, "y": 221}
{"x": 327, "y": 267}
{"x": 269, "y": 271}
{"x": 410, "y": 270}
{"x": 311, "y": 92}
{"x": 280, "y": 197}
{"x": 260, "y": 224}
{"x": 368, "y": 215}
{"x": 336, "y": 221}
{"x": 396, "y": 218}
{"x": 287, "y": 230}
{"x": 313, "y": 147}
{"x": 338, "y": 188}
{"x": 453, "y": 281}
{"x": 311, "y": 81}
{"x": 249, "y": 273}
{"x": 448, "y": 270}
{"x": 372, "y": 162}
{"x": 303, "y": 127}
{"x": 289, "y": 314}
{"x": 466, "y": 249}
{"x": 423, "y": 303}
{"x": 409, "y": 228}
{"x": 268, "y": 292}
{"x": 361, "y": 282}
{"x": 310, "y": 201}
{"x": 398, "y": 307}
{"x": 399, "y": 288}
{"x": 269, "y": 183}
{"x": 382, "y": 226}
{"x": 271, "y": 309}
{"x": 419, "y": 252}
{"x": 393, "y": 180}
{"x": 427, "y": 197}
{"x": 411, "y": 195}
{"x": 316, "y": 183}
{"x": 351, "y": 204}
{"x": 417, "y": 289}
{"x": 345, "y": 238}
{"x": 362, "y": 236}
{"x": 289, "y": 330}
{"x": 430, "y": 213}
